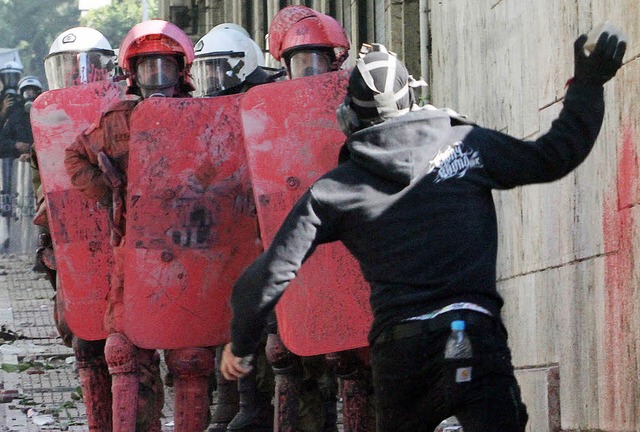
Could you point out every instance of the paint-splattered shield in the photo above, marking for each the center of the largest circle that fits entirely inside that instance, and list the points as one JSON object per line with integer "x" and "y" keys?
{"x": 292, "y": 138}
{"x": 191, "y": 223}
{"x": 78, "y": 227}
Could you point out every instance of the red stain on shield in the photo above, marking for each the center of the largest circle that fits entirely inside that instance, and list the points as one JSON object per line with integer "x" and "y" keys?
{"x": 621, "y": 368}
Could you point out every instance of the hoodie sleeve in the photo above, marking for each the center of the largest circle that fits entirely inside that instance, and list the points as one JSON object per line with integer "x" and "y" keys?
{"x": 262, "y": 284}
{"x": 510, "y": 162}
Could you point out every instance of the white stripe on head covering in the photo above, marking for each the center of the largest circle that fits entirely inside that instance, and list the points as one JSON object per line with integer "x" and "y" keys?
{"x": 385, "y": 100}
{"x": 391, "y": 73}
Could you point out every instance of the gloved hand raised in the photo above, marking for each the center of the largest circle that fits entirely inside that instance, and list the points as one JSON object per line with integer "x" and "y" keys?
{"x": 603, "y": 63}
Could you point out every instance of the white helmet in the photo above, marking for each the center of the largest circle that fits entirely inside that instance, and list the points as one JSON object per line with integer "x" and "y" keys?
{"x": 29, "y": 81}
{"x": 237, "y": 27}
{"x": 77, "y": 56}
{"x": 225, "y": 58}
{"x": 10, "y": 76}
{"x": 29, "y": 88}
{"x": 232, "y": 26}
{"x": 11, "y": 66}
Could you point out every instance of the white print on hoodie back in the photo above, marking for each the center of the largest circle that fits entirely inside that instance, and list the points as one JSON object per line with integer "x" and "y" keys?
{"x": 454, "y": 161}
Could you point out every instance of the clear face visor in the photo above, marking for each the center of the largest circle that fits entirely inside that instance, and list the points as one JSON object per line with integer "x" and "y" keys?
{"x": 157, "y": 72}
{"x": 308, "y": 63}
{"x": 214, "y": 74}
{"x": 30, "y": 93}
{"x": 71, "y": 68}
{"x": 10, "y": 80}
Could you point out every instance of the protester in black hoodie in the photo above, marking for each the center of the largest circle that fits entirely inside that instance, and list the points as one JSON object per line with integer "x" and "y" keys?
{"x": 413, "y": 204}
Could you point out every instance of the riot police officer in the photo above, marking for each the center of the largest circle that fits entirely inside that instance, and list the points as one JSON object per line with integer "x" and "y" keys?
{"x": 10, "y": 74}
{"x": 14, "y": 140}
{"x": 307, "y": 43}
{"x": 78, "y": 55}
{"x": 156, "y": 56}
{"x": 227, "y": 61}
{"x": 16, "y": 137}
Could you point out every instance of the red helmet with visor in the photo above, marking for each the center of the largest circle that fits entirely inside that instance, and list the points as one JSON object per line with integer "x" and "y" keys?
{"x": 301, "y": 28}
{"x": 144, "y": 51}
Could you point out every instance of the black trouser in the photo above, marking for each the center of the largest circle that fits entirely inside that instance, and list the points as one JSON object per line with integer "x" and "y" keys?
{"x": 416, "y": 386}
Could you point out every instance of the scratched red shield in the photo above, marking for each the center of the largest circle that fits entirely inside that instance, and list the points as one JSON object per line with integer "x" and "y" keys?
{"x": 292, "y": 138}
{"x": 78, "y": 228}
{"x": 191, "y": 224}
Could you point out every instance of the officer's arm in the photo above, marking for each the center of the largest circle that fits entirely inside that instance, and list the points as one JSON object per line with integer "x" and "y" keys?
{"x": 262, "y": 284}
{"x": 82, "y": 166}
{"x": 8, "y": 140}
{"x": 24, "y": 134}
{"x": 8, "y": 148}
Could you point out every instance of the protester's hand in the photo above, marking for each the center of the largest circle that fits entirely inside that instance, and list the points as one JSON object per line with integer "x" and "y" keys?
{"x": 25, "y": 157}
{"x": 23, "y": 147}
{"x": 603, "y": 63}
{"x": 231, "y": 366}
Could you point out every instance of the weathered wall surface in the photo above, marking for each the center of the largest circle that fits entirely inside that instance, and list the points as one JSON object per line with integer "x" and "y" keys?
{"x": 568, "y": 257}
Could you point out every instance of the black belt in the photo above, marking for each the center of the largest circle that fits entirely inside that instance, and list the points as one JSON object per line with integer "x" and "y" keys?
{"x": 412, "y": 328}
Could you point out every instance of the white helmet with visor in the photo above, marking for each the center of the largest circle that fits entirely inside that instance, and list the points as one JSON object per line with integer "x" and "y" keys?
{"x": 10, "y": 74}
{"x": 77, "y": 56}
{"x": 225, "y": 58}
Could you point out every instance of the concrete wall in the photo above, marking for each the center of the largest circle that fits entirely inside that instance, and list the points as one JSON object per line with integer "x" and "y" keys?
{"x": 568, "y": 250}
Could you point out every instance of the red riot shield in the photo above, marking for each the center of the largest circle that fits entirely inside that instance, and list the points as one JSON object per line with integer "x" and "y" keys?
{"x": 191, "y": 224}
{"x": 292, "y": 138}
{"x": 79, "y": 229}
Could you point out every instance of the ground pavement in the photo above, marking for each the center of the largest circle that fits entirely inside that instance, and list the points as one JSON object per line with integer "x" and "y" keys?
{"x": 39, "y": 388}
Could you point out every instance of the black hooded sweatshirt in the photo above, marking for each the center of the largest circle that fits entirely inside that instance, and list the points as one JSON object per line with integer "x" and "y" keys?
{"x": 414, "y": 206}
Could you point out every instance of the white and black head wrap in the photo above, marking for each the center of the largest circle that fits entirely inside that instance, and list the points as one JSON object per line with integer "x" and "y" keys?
{"x": 380, "y": 86}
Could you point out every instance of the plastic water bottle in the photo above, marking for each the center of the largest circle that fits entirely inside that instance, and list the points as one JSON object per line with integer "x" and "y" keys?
{"x": 458, "y": 344}
{"x": 458, "y": 349}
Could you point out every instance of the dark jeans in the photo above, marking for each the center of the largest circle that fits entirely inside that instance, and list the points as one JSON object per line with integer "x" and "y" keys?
{"x": 416, "y": 386}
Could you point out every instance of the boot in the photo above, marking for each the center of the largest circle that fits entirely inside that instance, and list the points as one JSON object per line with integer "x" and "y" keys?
{"x": 353, "y": 369}
{"x": 288, "y": 383}
{"x": 256, "y": 414}
{"x": 38, "y": 267}
{"x": 191, "y": 368}
{"x": 121, "y": 358}
{"x": 150, "y": 391}
{"x": 226, "y": 405}
{"x": 95, "y": 383}
{"x": 44, "y": 241}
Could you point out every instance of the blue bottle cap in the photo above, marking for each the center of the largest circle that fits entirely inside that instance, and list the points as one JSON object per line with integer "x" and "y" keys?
{"x": 457, "y": 325}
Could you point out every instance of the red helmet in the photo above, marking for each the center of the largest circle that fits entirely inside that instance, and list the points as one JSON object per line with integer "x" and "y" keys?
{"x": 302, "y": 27}
{"x": 160, "y": 38}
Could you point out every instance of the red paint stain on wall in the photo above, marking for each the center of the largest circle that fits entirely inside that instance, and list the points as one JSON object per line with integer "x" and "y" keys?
{"x": 620, "y": 393}
{"x": 628, "y": 192}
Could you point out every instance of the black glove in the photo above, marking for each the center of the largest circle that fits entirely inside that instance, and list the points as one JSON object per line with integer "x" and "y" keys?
{"x": 603, "y": 63}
